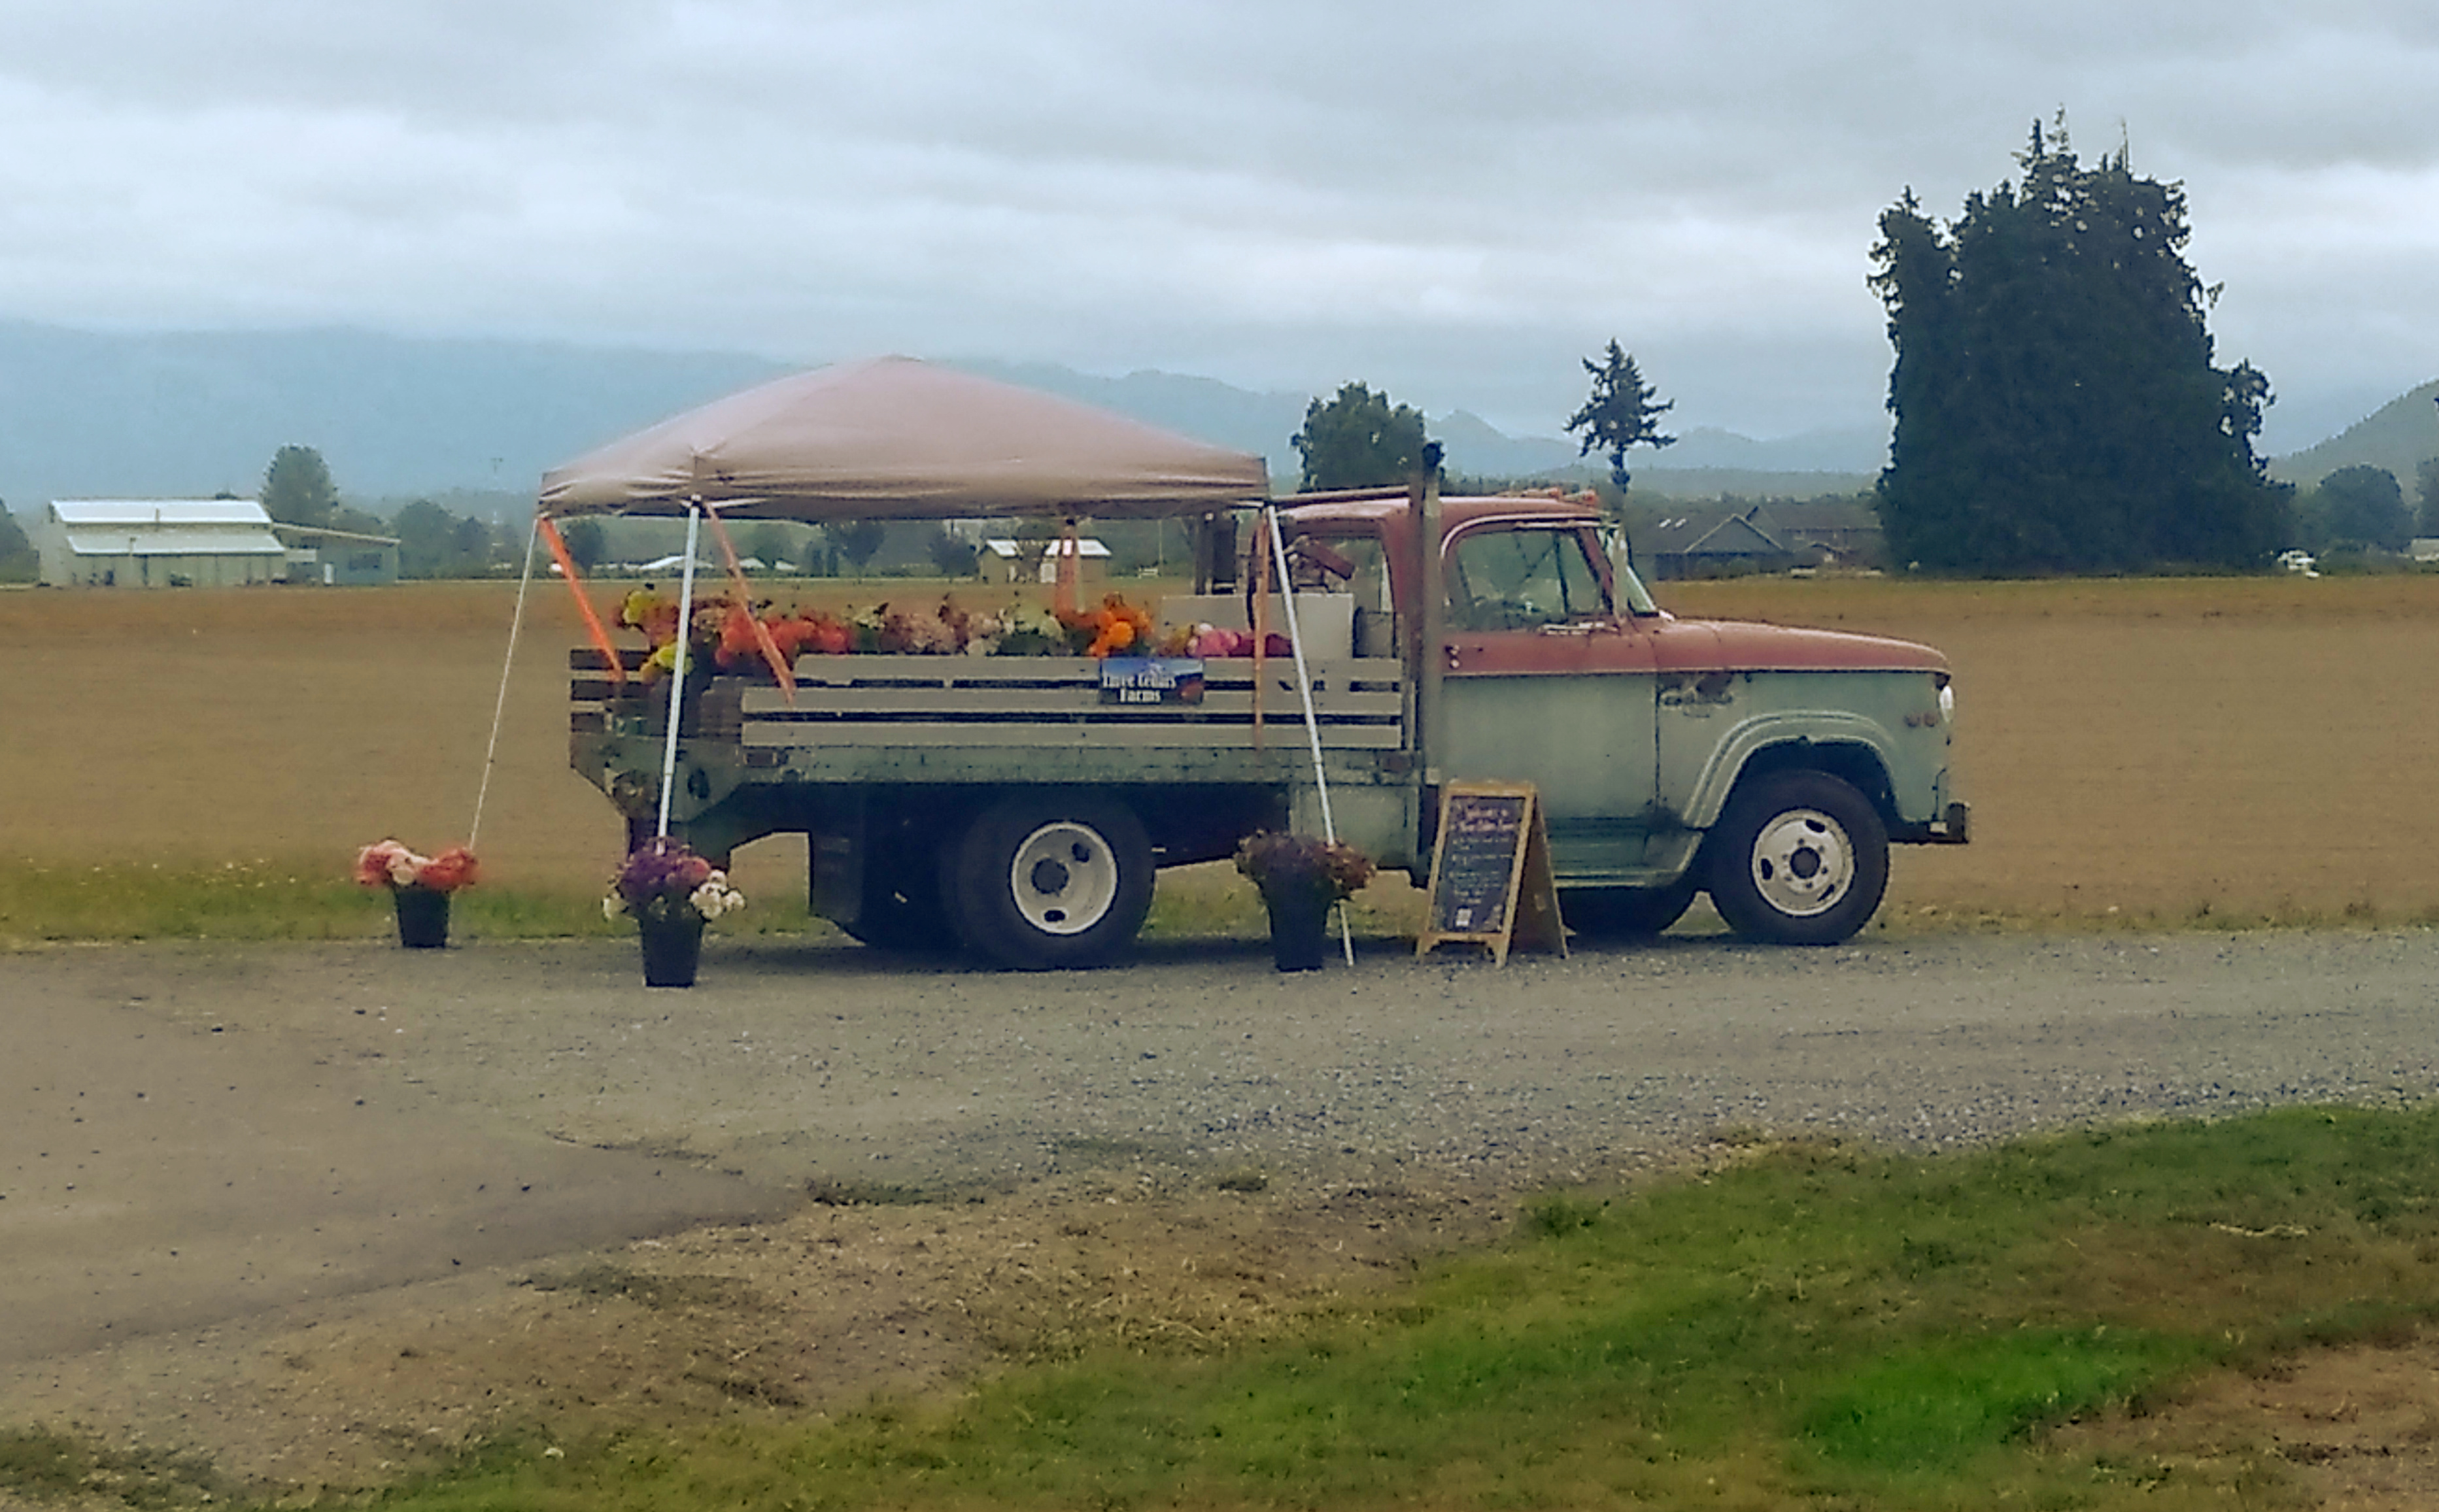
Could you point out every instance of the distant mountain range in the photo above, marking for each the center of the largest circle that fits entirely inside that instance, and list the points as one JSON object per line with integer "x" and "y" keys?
{"x": 2398, "y": 436}
{"x": 87, "y": 414}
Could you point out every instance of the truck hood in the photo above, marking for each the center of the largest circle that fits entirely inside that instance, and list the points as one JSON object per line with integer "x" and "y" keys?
{"x": 1739, "y": 646}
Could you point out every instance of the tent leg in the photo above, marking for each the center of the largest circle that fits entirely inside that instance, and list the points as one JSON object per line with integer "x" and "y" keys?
{"x": 678, "y": 675}
{"x": 500, "y": 708}
{"x": 1304, "y": 684}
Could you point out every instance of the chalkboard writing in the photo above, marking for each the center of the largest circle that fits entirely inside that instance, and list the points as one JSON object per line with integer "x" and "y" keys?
{"x": 1491, "y": 884}
{"x": 1480, "y": 838}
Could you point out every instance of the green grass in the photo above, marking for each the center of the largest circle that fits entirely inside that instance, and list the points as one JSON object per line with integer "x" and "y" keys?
{"x": 1818, "y": 1328}
{"x": 265, "y": 900}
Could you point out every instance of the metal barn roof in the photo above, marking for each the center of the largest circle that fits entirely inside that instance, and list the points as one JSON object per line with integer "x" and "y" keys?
{"x": 125, "y": 512}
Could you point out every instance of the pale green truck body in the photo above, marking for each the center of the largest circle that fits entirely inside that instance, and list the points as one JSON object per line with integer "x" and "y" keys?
{"x": 1011, "y": 805}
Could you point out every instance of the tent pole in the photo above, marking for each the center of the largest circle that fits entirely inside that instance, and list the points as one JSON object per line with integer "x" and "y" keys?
{"x": 1312, "y": 723}
{"x": 500, "y": 709}
{"x": 678, "y": 673}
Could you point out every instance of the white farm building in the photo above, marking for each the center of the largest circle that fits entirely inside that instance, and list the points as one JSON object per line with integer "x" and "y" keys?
{"x": 157, "y": 543}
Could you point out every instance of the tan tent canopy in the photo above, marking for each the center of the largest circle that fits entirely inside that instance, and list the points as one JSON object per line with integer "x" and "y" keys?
{"x": 896, "y": 439}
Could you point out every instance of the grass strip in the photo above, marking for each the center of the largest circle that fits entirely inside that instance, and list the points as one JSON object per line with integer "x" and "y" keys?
{"x": 1820, "y": 1326}
{"x": 263, "y": 899}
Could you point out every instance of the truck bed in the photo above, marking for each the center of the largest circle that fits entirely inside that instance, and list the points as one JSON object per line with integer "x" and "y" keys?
{"x": 957, "y": 719}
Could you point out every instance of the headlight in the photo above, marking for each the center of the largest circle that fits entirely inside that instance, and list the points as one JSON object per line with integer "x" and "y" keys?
{"x": 1948, "y": 702}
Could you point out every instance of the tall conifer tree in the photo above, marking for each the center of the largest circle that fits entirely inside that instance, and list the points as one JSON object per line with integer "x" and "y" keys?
{"x": 2056, "y": 406}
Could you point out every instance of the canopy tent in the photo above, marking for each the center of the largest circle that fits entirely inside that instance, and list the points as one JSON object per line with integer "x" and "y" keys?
{"x": 896, "y": 439}
{"x": 893, "y": 438}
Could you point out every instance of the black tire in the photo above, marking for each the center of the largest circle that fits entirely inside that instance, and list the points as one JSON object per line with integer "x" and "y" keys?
{"x": 1047, "y": 881}
{"x": 1799, "y": 857}
{"x": 1628, "y": 913}
{"x": 902, "y": 908}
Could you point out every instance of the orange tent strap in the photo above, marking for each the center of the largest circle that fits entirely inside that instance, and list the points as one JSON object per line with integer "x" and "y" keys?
{"x": 780, "y": 667}
{"x": 592, "y": 627}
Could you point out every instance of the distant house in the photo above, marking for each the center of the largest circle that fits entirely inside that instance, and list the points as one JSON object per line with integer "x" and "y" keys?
{"x": 338, "y": 559}
{"x": 1727, "y": 540}
{"x": 1839, "y": 534}
{"x": 1710, "y": 541}
{"x": 157, "y": 543}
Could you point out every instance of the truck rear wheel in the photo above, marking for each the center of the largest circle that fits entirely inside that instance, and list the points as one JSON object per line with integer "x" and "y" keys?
{"x": 1045, "y": 881}
{"x": 1800, "y": 858}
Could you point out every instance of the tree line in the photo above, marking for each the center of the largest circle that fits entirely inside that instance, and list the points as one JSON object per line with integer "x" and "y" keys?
{"x": 2058, "y": 403}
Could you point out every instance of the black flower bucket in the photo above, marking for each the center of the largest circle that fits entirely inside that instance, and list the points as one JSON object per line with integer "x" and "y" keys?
{"x": 673, "y": 948}
{"x": 423, "y": 918}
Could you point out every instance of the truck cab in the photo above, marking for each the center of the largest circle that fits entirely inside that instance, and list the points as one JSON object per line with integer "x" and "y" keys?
{"x": 1766, "y": 766}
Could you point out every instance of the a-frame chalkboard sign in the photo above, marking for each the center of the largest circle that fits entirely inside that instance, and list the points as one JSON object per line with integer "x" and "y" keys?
{"x": 1491, "y": 884}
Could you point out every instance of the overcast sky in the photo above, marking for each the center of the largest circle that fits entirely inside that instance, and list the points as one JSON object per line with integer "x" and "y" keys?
{"x": 1455, "y": 203}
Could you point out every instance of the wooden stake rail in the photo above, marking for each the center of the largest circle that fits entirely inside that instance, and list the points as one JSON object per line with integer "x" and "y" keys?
{"x": 1025, "y": 701}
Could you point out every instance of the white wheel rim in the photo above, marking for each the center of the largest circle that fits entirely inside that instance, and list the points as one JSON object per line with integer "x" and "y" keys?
{"x": 1064, "y": 879}
{"x": 1802, "y": 863}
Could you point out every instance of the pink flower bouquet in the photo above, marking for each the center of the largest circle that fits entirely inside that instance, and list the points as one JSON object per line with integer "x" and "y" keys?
{"x": 387, "y": 863}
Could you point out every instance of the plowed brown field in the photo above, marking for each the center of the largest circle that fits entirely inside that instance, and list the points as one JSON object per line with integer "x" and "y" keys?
{"x": 2247, "y": 747}
{"x": 2140, "y": 750}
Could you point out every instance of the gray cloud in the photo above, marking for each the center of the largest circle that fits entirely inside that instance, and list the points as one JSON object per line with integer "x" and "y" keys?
{"x": 1454, "y": 201}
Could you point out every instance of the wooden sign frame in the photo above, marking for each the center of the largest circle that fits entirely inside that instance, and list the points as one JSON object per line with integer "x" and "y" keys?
{"x": 1526, "y": 909}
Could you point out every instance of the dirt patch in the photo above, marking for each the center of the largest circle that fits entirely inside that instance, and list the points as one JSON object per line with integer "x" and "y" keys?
{"x": 789, "y": 1320}
{"x": 2354, "y": 1429}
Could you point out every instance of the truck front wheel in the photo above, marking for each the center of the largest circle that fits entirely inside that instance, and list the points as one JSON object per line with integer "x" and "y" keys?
{"x": 1800, "y": 858}
{"x": 1042, "y": 882}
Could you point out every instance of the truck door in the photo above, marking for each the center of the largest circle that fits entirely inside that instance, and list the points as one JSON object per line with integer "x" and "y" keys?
{"x": 1545, "y": 682}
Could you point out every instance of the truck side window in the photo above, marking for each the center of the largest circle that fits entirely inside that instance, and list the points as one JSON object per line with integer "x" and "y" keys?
{"x": 1522, "y": 579}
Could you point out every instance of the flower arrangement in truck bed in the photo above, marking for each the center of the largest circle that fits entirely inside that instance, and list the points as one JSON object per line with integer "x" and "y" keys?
{"x": 662, "y": 880}
{"x": 722, "y": 634}
{"x": 387, "y": 863}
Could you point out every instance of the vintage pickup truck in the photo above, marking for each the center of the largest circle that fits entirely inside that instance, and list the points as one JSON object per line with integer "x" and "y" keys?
{"x": 1015, "y": 806}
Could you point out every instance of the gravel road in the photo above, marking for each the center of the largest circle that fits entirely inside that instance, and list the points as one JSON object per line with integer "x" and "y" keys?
{"x": 195, "y": 1132}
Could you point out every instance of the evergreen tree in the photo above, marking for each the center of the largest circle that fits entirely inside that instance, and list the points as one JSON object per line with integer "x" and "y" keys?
{"x": 1358, "y": 439}
{"x": 588, "y": 544}
{"x": 857, "y": 540}
{"x": 1620, "y": 414}
{"x": 296, "y": 487}
{"x": 2361, "y": 507}
{"x": 16, "y": 552}
{"x": 2057, "y": 407}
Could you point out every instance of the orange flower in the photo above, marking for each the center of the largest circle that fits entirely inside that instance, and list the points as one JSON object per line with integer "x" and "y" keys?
{"x": 449, "y": 870}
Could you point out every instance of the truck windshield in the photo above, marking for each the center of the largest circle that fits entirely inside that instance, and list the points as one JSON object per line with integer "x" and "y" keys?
{"x": 1522, "y": 578}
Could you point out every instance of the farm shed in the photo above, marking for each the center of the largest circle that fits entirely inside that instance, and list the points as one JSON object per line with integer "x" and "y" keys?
{"x": 1023, "y": 561}
{"x": 157, "y": 543}
{"x": 338, "y": 559}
